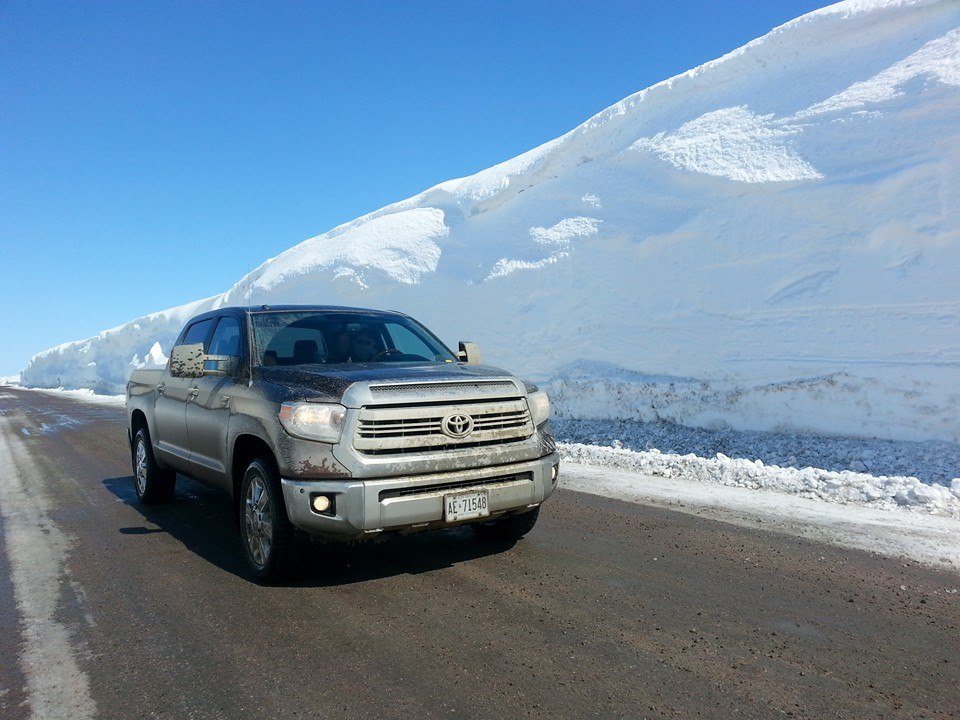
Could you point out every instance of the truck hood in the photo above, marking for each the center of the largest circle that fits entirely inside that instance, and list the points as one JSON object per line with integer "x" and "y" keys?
{"x": 330, "y": 382}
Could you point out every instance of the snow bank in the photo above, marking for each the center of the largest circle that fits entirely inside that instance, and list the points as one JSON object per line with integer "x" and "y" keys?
{"x": 768, "y": 242}
{"x": 103, "y": 363}
{"x": 911, "y": 536}
{"x": 878, "y": 474}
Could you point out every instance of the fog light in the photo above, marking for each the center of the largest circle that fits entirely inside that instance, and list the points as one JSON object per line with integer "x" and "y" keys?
{"x": 555, "y": 472}
{"x": 321, "y": 503}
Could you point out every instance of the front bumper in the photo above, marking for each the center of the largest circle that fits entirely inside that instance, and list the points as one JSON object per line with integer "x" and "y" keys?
{"x": 368, "y": 507}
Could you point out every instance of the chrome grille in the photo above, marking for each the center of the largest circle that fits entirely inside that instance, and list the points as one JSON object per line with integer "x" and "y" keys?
{"x": 382, "y": 430}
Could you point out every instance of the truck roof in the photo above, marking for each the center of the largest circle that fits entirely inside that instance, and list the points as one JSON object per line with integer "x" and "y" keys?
{"x": 321, "y": 308}
{"x": 249, "y": 309}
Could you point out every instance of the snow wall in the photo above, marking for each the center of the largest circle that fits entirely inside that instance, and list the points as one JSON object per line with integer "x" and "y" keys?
{"x": 769, "y": 242}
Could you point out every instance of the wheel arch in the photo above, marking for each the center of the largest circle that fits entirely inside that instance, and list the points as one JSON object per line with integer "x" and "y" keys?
{"x": 245, "y": 449}
{"x": 138, "y": 419}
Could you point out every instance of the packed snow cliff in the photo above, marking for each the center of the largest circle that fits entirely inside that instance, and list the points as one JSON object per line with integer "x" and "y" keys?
{"x": 767, "y": 242}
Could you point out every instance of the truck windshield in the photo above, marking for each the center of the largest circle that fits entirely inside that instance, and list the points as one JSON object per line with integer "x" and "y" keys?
{"x": 333, "y": 338}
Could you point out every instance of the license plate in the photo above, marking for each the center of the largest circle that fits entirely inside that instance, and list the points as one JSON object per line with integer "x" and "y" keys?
{"x": 464, "y": 506}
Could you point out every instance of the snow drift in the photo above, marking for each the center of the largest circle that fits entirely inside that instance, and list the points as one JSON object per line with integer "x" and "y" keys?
{"x": 766, "y": 242}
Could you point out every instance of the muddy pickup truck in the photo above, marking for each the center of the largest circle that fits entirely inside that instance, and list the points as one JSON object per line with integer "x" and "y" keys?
{"x": 339, "y": 423}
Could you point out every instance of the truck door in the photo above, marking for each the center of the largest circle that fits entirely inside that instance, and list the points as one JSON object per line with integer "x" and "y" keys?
{"x": 208, "y": 411}
{"x": 170, "y": 410}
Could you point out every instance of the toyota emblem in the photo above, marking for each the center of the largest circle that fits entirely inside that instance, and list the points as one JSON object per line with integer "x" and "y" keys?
{"x": 457, "y": 425}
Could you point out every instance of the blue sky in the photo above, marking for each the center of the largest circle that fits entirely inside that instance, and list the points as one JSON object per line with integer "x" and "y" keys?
{"x": 153, "y": 153}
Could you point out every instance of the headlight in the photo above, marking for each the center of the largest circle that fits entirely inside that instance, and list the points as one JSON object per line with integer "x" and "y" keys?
{"x": 313, "y": 421}
{"x": 539, "y": 405}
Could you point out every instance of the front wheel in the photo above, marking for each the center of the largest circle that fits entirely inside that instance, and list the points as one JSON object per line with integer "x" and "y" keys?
{"x": 154, "y": 485}
{"x": 269, "y": 543}
{"x": 511, "y": 527}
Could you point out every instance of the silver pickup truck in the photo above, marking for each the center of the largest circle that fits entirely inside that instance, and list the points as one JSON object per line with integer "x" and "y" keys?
{"x": 330, "y": 422}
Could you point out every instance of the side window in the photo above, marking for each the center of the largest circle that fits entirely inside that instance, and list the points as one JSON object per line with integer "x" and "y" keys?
{"x": 197, "y": 333}
{"x": 226, "y": 338}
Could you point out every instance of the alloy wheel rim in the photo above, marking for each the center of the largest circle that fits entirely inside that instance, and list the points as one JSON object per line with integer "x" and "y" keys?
{"x": 258, "y": 520}
{"x": 141, "y": 468}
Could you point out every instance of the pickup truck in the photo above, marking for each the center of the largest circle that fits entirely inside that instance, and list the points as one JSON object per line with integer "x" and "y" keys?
{"x": 339, "y": 423}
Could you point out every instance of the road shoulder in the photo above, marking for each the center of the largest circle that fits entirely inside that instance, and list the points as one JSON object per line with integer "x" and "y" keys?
{"x": 928, "y": 539}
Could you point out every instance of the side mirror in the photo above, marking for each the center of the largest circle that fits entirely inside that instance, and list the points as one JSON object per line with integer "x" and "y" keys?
{"x": 469, "y": 353}
{"x": 187, "y": 361}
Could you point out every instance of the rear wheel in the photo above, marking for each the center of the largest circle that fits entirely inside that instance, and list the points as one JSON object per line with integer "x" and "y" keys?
{"x": 154, "y": 485}
{"x": 269, "y": 542}
{"x": 511, "y": 527}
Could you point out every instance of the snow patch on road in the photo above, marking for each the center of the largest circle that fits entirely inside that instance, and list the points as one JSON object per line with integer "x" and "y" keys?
{"x": 57, "y": 689}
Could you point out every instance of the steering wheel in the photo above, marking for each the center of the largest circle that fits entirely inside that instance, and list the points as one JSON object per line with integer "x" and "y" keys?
{"x": 386, "y": 353}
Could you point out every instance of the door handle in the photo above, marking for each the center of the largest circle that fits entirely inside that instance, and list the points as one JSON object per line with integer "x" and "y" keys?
{"x": 160, "y": 388}
{"x": 193, "y": 392}
{"x": 224, "y": 402}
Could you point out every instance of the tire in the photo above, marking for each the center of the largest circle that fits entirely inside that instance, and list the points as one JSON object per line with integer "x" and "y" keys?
{"x": 509, "y": 528}
{"x": 154, "y": 485}
{"x": 268, "y": 538}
